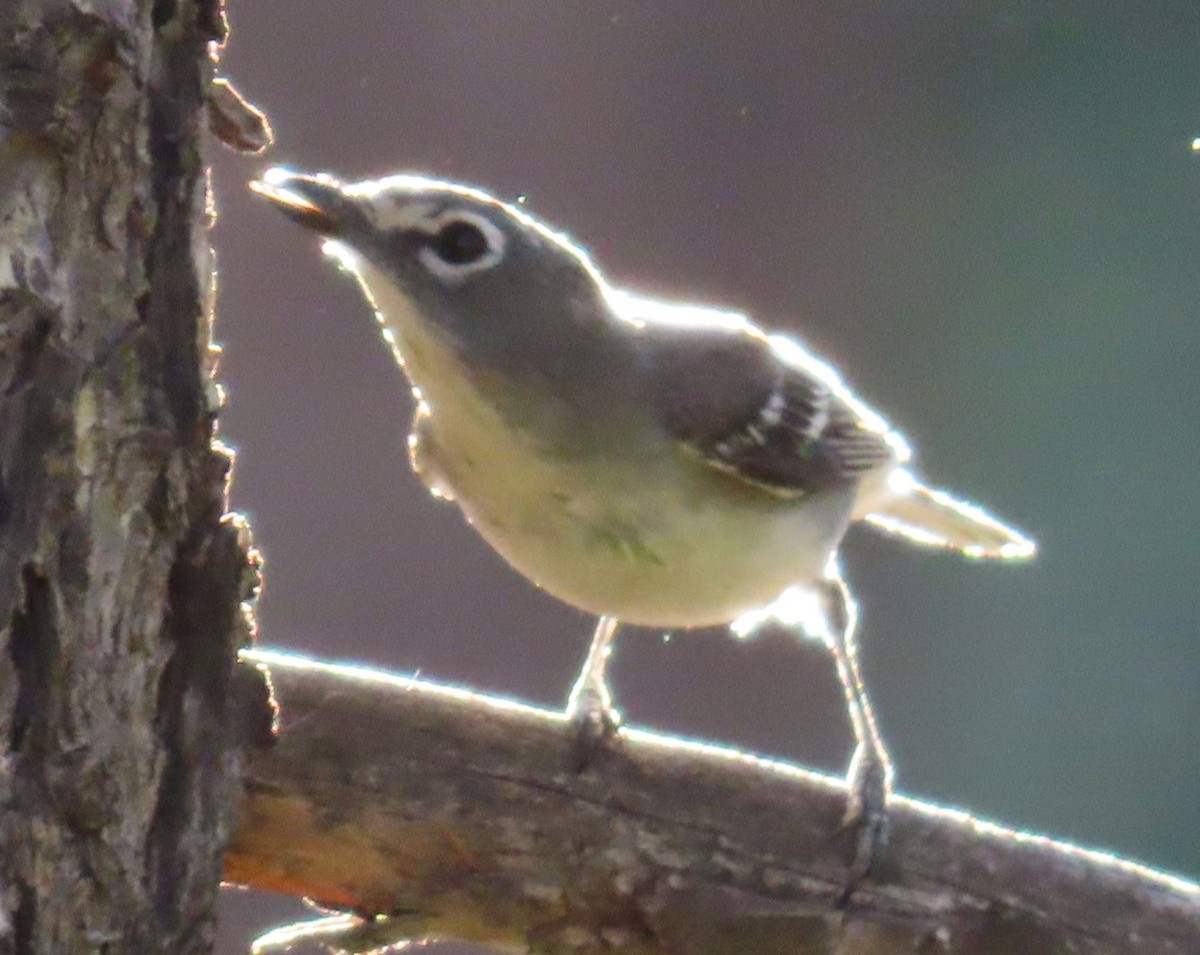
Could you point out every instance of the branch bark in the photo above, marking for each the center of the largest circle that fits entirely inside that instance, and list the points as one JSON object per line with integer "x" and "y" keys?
{"x": 120, "y": 579}
{"x": 460, "y": 816}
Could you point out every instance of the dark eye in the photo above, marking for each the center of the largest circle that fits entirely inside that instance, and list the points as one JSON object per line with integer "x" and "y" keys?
{"x": 459, "y": 243}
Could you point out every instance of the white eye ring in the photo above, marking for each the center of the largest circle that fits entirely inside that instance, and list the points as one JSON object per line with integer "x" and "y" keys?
{"x": 453, "y": 272}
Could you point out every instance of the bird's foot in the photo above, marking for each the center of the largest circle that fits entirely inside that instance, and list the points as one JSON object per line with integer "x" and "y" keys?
{"x": 595, "y": 721}
{"x": 869, "y": 784}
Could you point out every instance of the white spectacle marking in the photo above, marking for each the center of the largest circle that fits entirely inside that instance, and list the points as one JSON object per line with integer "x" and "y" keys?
{"x": 416, "y": 184}
{"x": 454, "y": 272}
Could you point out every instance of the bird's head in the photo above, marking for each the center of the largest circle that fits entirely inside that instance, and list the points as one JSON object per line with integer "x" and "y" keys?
{"x": 481, "y": 275}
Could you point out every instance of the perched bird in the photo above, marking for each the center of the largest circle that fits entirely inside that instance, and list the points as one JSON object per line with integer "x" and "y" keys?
{"x": 652, "y": 463}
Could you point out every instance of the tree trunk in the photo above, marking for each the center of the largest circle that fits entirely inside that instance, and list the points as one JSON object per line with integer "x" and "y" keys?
{"x": 121, "y": 582}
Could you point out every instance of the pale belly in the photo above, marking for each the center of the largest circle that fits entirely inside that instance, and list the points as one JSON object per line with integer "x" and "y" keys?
{"x": 663, "y": 542}
{"x": 657, "y": 540}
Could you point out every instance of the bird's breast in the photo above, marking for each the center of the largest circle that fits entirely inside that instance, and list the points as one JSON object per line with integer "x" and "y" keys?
{"x": 600, "y": 509}
{"x": 638, "y": 530}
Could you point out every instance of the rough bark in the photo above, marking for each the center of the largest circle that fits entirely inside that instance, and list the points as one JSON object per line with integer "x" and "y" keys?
{"x": 461, "y": 817}
{"x": 121, "y": 583}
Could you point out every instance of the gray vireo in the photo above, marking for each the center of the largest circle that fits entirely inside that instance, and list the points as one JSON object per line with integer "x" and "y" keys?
{"x": 654, "y": 463}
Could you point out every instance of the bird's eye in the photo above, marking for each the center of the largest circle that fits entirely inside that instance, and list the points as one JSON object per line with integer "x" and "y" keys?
{"x": 459, "y": 243}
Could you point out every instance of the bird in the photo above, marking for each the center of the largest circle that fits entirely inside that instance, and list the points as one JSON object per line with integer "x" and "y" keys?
{"x": 653, "y": 463}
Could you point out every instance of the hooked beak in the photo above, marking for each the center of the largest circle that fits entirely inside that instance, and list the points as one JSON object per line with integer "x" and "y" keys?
{"x": 316, "y": 202}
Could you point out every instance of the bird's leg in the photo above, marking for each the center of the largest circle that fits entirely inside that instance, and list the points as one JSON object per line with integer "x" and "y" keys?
{"x": 590, "y": 705}
{"x": 869, "y": 778}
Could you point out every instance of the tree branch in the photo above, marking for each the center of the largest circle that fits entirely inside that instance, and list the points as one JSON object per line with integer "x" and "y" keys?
{"x": 460, "y": 815}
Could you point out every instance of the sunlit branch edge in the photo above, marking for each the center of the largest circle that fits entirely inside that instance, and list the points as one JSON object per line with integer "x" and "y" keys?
{"x": 945, "y": 866}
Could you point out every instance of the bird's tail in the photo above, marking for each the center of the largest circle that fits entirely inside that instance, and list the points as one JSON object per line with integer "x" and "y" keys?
{"x": 930, "y": 516}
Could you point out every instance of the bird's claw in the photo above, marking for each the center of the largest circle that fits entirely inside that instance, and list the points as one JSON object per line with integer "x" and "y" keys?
{"x": 868, "y": 786}
{"x": 595, "y": 721}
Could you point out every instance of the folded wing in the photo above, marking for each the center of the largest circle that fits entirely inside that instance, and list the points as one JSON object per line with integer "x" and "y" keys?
{"x": 762, "y": 408}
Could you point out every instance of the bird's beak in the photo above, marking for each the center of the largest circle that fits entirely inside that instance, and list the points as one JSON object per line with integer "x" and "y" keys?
{"x": 315, "y": 202}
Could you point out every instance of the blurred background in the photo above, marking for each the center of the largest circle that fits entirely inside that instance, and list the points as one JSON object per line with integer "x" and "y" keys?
{"x": 986, "y": 214}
